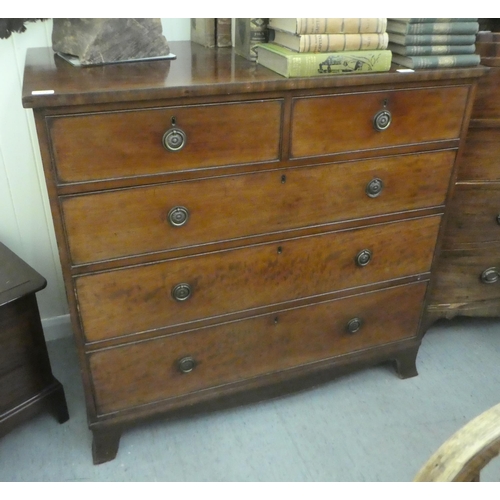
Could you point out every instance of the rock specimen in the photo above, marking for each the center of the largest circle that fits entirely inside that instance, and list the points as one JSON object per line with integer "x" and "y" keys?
{"x": 100, "y": 41}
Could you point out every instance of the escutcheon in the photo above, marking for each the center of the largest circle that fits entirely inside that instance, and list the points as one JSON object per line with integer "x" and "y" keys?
{"x": 174, "y": 139}
{"x": 354, "y": 325}
{"x": 374, "y": 187}
{"x": 363, "y": 257}
{"x": 186, "y": 364}
{"x": 382, "y": 120}
{"x": 490, "y": 275}
{"x": 181, "y": 292}
{"x": 178, "y": 216}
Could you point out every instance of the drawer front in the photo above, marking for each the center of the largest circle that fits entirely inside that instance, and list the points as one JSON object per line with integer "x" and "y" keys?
{"x": 334, "y": 124}
{"x": 134, "y": 221}
{"x": 481, "y": 155}
{"x": 141, "y": 298}
{"x": 146, "y": 372}
{"x": 129, "y": 143}
{"x": 467, "y": 276}
{"x": 474, "y": 216}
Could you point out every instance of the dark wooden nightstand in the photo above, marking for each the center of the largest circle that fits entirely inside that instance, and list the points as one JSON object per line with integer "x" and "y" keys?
{"x": 27, "y": 385}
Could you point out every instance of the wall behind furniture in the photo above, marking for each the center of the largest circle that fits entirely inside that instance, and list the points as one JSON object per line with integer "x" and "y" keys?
{"x": 26, "y": 222}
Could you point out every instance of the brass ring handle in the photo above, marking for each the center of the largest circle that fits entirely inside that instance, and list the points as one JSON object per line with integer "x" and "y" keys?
{"x": 181, "y": 292}
{"x": 363, "y": 257}
{"x": 374, "y": 187}
{"x": 174, "y": 139}
{"x": 382, "y": 120}
{"x": 354, "y": 325}
{"x": 490, "y": 275}
{"x": 186, "y": 364}
{"x": 178, "y": 216}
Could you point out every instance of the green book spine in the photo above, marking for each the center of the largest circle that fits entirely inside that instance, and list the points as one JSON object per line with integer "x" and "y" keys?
{"x": 449, "y": 61}
{"x": 429, "y": 50}
{"x": 431, "y": 39}
{"x": 458, "y": 28}
{"x": 292, "y": 64}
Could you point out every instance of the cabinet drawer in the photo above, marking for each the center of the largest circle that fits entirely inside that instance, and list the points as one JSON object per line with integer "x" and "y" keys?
{"x": 474, "y": 216}
{"x": 481, "y": 156}
{"x": 134, "y": 221}
{"x": 467, "y": 276}
{"x": 148, "y": 371}
{"x": 129, "y": 143}
{"x": 334, "y": 124}
{"x": 136, "y": 299}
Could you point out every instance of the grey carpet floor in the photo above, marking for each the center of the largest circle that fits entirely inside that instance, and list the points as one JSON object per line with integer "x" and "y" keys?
{"x": 365, "y": 426}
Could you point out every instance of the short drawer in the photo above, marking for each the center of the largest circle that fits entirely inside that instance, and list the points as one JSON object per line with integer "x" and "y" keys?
{"x": 480, "y": 160}
{"x": 178, "y": 291}
{"x": 342, "y": 123}
{"x": 129, "y": 143}
{"x": 185, "y": 363}
{"x": 467, "y": 276}
{"x": 474, "y": 216}
{"x": 172, "y": 216}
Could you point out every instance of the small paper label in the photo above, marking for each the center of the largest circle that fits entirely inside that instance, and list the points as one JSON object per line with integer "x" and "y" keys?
{"x": 41, "y": 92}
{"x": 406, "y": 70}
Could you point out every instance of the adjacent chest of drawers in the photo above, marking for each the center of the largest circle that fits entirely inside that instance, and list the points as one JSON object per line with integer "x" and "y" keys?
{"x": 227, "y": 234}
{"x": 27, "y": 385}
{"x": 467, "y": 277}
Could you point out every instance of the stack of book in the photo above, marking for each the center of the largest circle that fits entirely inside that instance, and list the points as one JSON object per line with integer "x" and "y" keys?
{"x": 433, "y": 42}
{"x": 303, "y": 47}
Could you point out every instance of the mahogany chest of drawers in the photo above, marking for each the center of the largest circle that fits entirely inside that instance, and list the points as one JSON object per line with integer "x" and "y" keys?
{"x": 227, "y": 234}
{"x": 27, "y": 385}
{"x": 467, "y": 277}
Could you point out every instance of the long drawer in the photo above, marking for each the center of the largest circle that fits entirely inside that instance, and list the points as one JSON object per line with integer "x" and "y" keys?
{"x": 171, "y": 216}
{"x": 474, "y": 216}
{"x": 333, "y": 124}
{"x": 97, "y": 146}
{"x": 145, "y": 372}
{"x": 178, "y": 291}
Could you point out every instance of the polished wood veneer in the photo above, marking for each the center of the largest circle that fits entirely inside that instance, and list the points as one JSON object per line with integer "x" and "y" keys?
{"x": 227, "y": 234}
{"x": 467, "y": 273}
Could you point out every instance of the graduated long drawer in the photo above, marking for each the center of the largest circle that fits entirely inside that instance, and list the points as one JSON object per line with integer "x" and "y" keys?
{"x": 155, "y": 370}
{"x": 178, "y": 291}
{"x": 171, "y": 216}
